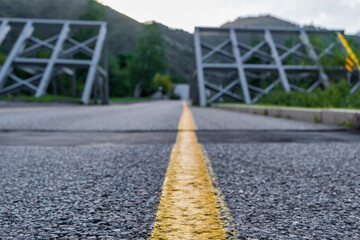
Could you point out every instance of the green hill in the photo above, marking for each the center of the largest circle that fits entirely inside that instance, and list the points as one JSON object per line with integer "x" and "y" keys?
{"x": 122, "y": 30}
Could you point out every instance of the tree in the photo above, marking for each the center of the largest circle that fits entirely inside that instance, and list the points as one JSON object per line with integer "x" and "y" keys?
{"x": 94, "y": 11}
{"x": 163, "y": 81}
{"x": 118, "y": 79}
{"x": 148, "y": 59}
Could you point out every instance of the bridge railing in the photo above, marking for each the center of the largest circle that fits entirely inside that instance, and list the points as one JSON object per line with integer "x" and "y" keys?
{"x": 245, "y": 63}
{"x": 40, "y": 51}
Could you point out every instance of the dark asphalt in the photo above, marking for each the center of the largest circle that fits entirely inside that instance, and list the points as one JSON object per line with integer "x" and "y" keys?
{"x": 97, "y": 172}
{"x": 70, "y": 172}
{"x": 88, "y": 192}
{"x": 83, "y": 138}
{"x": 158, "y": 115}
{"x": 290, "y": 190}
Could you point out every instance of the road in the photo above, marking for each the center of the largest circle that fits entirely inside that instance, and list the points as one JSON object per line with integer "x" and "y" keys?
{"x": 98, "y": 172}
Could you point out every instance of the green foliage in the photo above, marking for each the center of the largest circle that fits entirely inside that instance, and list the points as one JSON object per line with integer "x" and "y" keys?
{"x": 131, "y": 72}
{"x": 338, "y": 53}
{"x": 94, "y": 11}
{"x": 336, "y": 96}
{"x": 316, "y": 119}
{"x": 122, "y": 30}
{"x": 289, "y": 42}
{"x": 147, "y": 60}
{"x": 3, "y": 57}
{"x": 119, "y": 80}
{"x": 129, "y": 99}
{"x": 165, "y": 82}
{"x": 176, "y": 79}
{"x": 139, "y": 73}
{"x": 43, "y": 54}
{"x": 127, "y": 71}
{"x": 355, "y": 47}
{"x": 43, "y": 99}
{"x": 346, "y": 124}
{"x": 254, "y": 40}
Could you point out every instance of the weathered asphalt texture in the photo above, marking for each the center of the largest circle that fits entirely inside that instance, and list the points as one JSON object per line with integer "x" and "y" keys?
{"x": 83, "y": 172}
{"x": 160, "y": 115}
{"x": 74, "y": 172}
{"x": 99, "y": 191}
{"x": 217, "y": 119}
{"x": 283, "y": 179}
{"x": 290, "y": 190}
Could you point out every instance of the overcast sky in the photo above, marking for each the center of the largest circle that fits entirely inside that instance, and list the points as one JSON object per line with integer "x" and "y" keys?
{"x": 186, "y": 14}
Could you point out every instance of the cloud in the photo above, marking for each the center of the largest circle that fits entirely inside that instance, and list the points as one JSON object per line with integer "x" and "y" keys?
{"x": 351, "y": 3}
{"x": 186, "y": 14}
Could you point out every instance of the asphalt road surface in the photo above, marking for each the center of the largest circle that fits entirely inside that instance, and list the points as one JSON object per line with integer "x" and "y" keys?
{"x": 97, "y": 172}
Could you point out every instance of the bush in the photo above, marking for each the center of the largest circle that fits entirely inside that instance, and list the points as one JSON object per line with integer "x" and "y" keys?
{"x": 163, "y": 81}
{"x": 337, "y": 95}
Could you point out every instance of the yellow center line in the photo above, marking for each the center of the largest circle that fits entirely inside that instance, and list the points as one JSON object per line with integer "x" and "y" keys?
{"x": 188, "y": 207}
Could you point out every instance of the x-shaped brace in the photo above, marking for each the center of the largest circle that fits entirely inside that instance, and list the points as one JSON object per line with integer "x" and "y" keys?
{"x": 20, "y": 83}
{"x": 78, "y": 45}
{"x": 216, "y": 49}
{"x": 224, "y": 91}
{"x": 39, "y": 44}
{"x": 263, "y": 91}
{"x": 291, "y": 50}
{"x": 256, "y": 50}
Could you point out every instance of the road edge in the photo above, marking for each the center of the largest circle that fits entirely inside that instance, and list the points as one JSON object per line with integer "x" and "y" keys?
{"x": 339, "y": 117}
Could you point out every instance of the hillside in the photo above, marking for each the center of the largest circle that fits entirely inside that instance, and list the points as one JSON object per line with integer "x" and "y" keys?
{"x": 122, "y": 30}
{"x": 259, "y": 21}
{"x": 272, "y": 21}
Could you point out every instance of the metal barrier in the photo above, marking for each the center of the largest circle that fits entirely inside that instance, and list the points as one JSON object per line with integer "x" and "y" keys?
{"x": 69, "y": 45}
{"x": 245, "y": 63}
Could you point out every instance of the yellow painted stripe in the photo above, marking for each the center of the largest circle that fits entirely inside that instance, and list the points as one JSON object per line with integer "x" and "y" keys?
{"x": 349, "y": 50}
{"x": 188, "y": 207}
{"x": 349, "y": 68}
{"x": 349, "y": 62}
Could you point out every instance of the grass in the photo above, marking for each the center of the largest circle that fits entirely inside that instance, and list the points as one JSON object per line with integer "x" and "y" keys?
{"x": 264, "y": 105}
{"x": 43, "y": 99}
{"x": 282, "y": 105}
{"x": 316, "y": 119}
{"x": 337, "y": 96}
{"x": 347, "y": 124}
{"x": 129, "y": 99}
{"x": 64, "y": 99}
